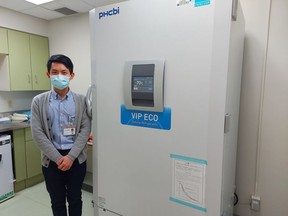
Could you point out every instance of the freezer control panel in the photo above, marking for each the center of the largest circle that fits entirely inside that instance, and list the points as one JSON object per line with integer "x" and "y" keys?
{"x": 143, "y": 85}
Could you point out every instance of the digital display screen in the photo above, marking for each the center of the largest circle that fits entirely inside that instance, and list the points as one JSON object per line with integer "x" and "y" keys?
{"x": 142, "y": 84}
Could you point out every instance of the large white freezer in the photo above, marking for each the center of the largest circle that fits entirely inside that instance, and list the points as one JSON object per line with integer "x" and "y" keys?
{"x": 166, "y": 77}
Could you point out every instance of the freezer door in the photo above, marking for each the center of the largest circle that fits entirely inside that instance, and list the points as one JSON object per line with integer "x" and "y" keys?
{"x": 6, "y": 173}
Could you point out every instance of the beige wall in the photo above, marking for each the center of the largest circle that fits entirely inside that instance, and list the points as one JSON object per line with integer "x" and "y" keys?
{"x": 71, "y": 36}
{"x": 256, "y": 14}
{"x": 273, "y": 154}
{"x": 262, "y": 148}
{"x": 22, "y": 22}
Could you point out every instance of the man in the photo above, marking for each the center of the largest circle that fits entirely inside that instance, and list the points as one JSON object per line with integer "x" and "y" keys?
{"x": 61, "y": 128}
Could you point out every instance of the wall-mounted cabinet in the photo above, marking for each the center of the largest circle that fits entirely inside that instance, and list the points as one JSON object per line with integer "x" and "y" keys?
{"x": 39, "y": 49}
{"x": 3, "y": 41}
{"x": 24, "y": 68}
{"x": 19, "y": 61}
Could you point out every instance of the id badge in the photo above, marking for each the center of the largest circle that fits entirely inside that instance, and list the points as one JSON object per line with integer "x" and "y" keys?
{"x": 69, "y": 131}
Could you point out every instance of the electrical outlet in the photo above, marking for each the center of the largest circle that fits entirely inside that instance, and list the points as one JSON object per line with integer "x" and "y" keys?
{"x": 255, "y": 203}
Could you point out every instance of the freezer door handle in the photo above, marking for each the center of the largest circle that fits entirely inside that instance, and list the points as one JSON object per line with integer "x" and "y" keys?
{"x": 0, "y": 157}
{"x": 227, "y": 123}
{"x": 234, "y": 10}
{"x": 89, "y": 100}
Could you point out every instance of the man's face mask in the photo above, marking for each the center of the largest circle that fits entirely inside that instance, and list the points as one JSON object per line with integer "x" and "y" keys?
{"x": 59, "y": 81}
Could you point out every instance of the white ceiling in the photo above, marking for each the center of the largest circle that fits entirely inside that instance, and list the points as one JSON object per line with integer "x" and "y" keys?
{"x": 46, "y": 11}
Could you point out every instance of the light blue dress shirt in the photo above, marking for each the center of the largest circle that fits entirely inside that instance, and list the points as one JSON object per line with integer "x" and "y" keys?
{"x": 62, "y": 115}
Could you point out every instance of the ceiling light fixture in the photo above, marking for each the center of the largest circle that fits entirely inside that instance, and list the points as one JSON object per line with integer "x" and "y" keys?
{"x": 38, "y": 2}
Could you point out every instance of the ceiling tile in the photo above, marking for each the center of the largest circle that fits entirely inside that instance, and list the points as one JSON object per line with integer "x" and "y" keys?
{"x": 43, "y": 13}
{"x": 16, "y": 4}
{"x": 46, "y": 11}
{"x": 98, "y": 3}
{"x": 91, "y": 2}
{"x": 77, "y": 5}
{"x": 52, "y": 5}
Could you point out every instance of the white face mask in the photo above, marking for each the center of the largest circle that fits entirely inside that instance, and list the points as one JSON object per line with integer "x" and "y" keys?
{"x": 59, "y": 81}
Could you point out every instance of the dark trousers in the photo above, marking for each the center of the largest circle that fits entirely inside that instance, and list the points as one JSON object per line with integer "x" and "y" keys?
{"x": 63, "y": 185}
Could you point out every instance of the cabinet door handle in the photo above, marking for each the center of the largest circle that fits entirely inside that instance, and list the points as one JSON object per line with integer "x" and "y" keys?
{"x": 29, "y": 79}
{"x": 36, "y": 80}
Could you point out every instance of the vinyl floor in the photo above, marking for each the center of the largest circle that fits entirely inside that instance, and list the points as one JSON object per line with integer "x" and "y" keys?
{"x": 35, "y": 201}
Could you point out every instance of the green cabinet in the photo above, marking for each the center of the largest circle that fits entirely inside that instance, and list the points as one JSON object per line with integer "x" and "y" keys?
{"x": 27, "y": 160}
{"x": 19, "y": 155}
{"x": 27, "y": 57}
{"x": 19, "y": 61}
{"x": 39, "y": 49}
{"x": 33, "y": 159}
{"x": 3, "y": 41}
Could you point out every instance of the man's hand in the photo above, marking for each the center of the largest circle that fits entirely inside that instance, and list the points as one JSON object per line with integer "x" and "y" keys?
{"x": 64, "y": 163}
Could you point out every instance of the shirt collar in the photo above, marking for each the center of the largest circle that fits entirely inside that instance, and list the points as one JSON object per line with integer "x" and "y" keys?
{"x": 56, "y": 96}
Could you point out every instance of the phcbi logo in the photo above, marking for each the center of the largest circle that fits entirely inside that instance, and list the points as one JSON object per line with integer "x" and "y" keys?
{"x": 111, "y": 12}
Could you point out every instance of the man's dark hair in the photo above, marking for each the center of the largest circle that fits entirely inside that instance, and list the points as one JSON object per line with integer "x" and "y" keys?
{"x": 59, "y": 58}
